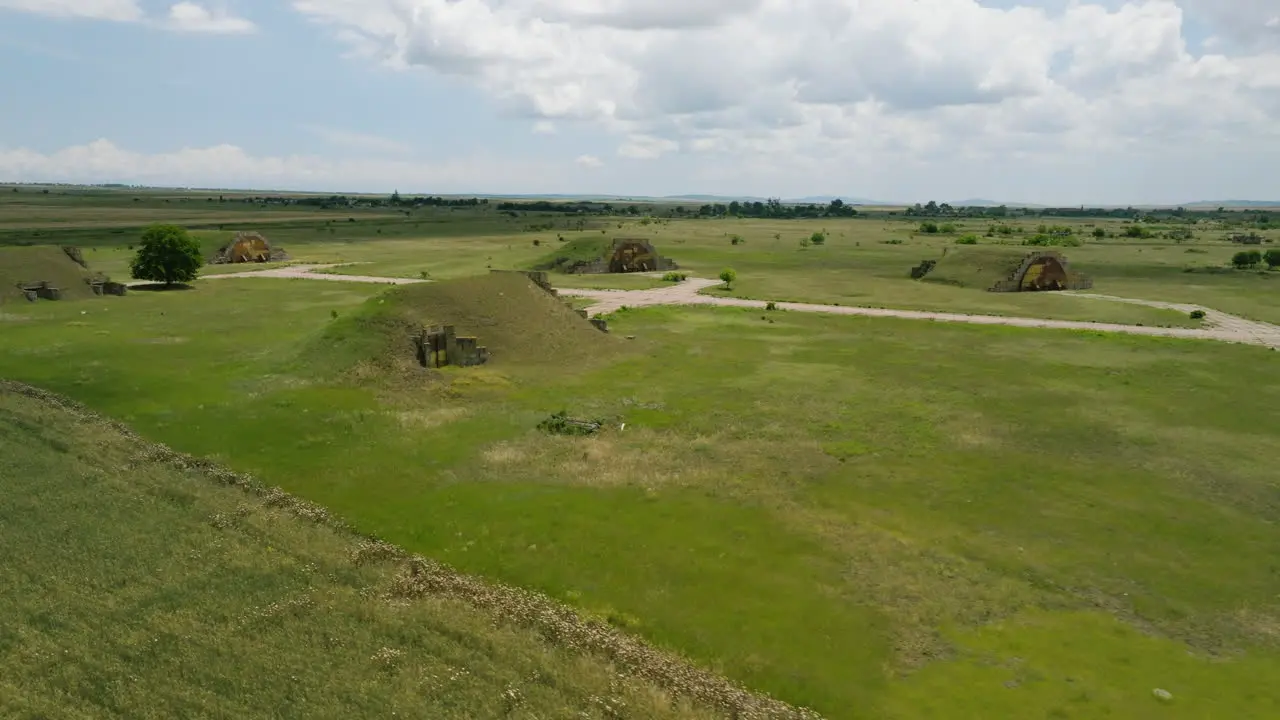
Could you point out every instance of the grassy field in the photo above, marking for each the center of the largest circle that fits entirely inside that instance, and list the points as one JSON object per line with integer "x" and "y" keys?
{"x": 906, "y": 519}
{"x": 865, "y": 261}
{"x": 874, "y": 518}
{"x": 219, "y": 601}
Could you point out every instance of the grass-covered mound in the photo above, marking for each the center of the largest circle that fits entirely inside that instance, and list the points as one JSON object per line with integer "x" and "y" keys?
{"x": 38, "y": 263}
{"x": 977, "y": 267}
{"x": 520, "y": 323}
{"x": 575, "y": 252}
{"x": 139, "y": 583}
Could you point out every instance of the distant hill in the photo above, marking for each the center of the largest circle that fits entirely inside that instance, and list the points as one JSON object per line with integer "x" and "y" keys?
{"x": 1214, "y": 204}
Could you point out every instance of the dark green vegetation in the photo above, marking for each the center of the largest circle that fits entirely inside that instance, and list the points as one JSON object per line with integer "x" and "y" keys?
{"x": 877, "y": 518}
{"x": 167, "y": 254}
{"x": 38, "y": 264}
{"x": 136, "y": 588}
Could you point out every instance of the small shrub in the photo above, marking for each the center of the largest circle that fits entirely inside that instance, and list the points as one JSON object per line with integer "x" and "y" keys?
{"x": 1099, "y": 233}
{"x": 818, "y": 238}
{"x": 947, "y": 229}
{"x": 728, "y": 275}
{"x": 892, "y": 241}
{"x": 771, "y": 305}
{"x": 675, "y": 277}
{"x": 333, "y": 314}
{"x": 536, "y": 242}
{"x": 736, "y": 240}
{"x": 1197, "y": 314}
{"x": 804, "y": 242}
{"x": 1246, "y": 259}
{"x": 929, "y": 227}
{"x": 1272, "y": 258}
{"x": 967, "y": 240}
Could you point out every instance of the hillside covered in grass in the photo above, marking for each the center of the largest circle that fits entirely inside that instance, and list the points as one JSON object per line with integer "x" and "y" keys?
{"x": 520, "y": 323}
{"x": 976, "y": 267}
{"x": 39, "y": 263}
{"x": 142, "y": 584}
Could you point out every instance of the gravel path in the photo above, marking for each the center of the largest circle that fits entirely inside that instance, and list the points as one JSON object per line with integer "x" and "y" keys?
{"x": 1218, "y": 326}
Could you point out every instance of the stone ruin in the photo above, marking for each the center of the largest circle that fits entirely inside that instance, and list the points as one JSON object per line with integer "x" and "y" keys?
{"x": 1040, "y": 271}
{"x": 249, "y": 247}
{"x": 104, "y": 286}
{"x": 1252, "y": 238}
{"x": 42, "y": 290}
{"x": 628, "y": 255}
{"x": 440, "y": 346}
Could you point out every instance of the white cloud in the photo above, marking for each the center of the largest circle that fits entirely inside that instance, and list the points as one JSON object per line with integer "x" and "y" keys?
{"x": 363, "y": 142}
{"x": 195, "y": 18}
{"x": 589, "y": 161}
{"x": 230, "y": 166}
{"x": 117, "y": 10}
{"x": 544, "y": 127}
{"x": 772, "y": 84}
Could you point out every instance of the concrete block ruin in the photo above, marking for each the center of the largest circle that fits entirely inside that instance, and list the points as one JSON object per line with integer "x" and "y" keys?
{"x": 249, "y": 247}
{"x": 42, "y": 290}
{"x": 599, "y": 323}
{"x": 628, "y": 255}
{"x": 103, "y": 286}
{"x": 1040, "y": 271}
{"x": 440, "y": 346}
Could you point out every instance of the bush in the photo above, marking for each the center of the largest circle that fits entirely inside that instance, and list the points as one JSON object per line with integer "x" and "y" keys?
{"x": 1272, "y": 258}
{"x": 947, "y": 229}
{"x": 771, "y": 305}
{"x": 967, "y": 240}
{"x": 1099, "y": 233}
{"x": 736, "y": 240}
{"x": 818, "y": 238}
{"x": 1137, "y": 231}
{"x": 728, "y": 275}
{"x": 929, "y": 227}
{"x": 1197, "y": 314}
{"x": 1246, "y": 259}
{"x": 167, "y": 254}
{"x": 675, "y": 277}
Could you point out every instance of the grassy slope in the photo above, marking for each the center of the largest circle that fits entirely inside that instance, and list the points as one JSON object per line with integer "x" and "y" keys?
{"x": 517, "y": 321}
{"x": 41, "y": 262}
{"x": 976, "y": 267}
{"x": 800, "y": 503}
{"x": 136, "y": 588}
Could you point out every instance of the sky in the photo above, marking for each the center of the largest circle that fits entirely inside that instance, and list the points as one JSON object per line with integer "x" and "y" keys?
{"x": 1061, "y": 102}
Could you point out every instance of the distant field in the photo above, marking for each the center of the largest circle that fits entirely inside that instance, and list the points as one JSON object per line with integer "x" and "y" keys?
{"x": 799, "y": 504}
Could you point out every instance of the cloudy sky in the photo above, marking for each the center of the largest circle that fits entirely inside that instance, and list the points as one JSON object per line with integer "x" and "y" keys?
{"x": 1054, "y": 101}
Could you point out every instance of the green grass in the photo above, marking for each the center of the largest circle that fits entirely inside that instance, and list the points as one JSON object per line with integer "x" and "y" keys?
{"x": 977, "y": 268}
{"x": 135, "y": 589}
{"x": 827, "y": 509}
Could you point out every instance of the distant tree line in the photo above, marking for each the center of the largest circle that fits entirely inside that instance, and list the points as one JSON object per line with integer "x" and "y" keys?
{"x": 774, "y": 208}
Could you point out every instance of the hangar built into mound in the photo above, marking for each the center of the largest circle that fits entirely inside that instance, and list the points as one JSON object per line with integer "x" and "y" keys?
{"x": 597, "y": 255}
{"x": 49, "y": 272}
{"x": 247, "y": 247}
{"x": 1003, "y": 269}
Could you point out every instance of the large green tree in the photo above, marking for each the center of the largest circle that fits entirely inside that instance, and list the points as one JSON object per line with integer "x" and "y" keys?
{"x": 167, "y": 254}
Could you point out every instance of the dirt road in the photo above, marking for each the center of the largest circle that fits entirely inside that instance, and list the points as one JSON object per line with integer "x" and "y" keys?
{"x": 1217, "y": 325}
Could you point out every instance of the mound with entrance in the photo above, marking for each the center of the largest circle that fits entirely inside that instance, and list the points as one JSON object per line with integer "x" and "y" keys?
{"x": 597, "y": 255}
{"x": 504, "y": 319}
{"x": 1003, "y": 269}
{"x": 49, "y": 272}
